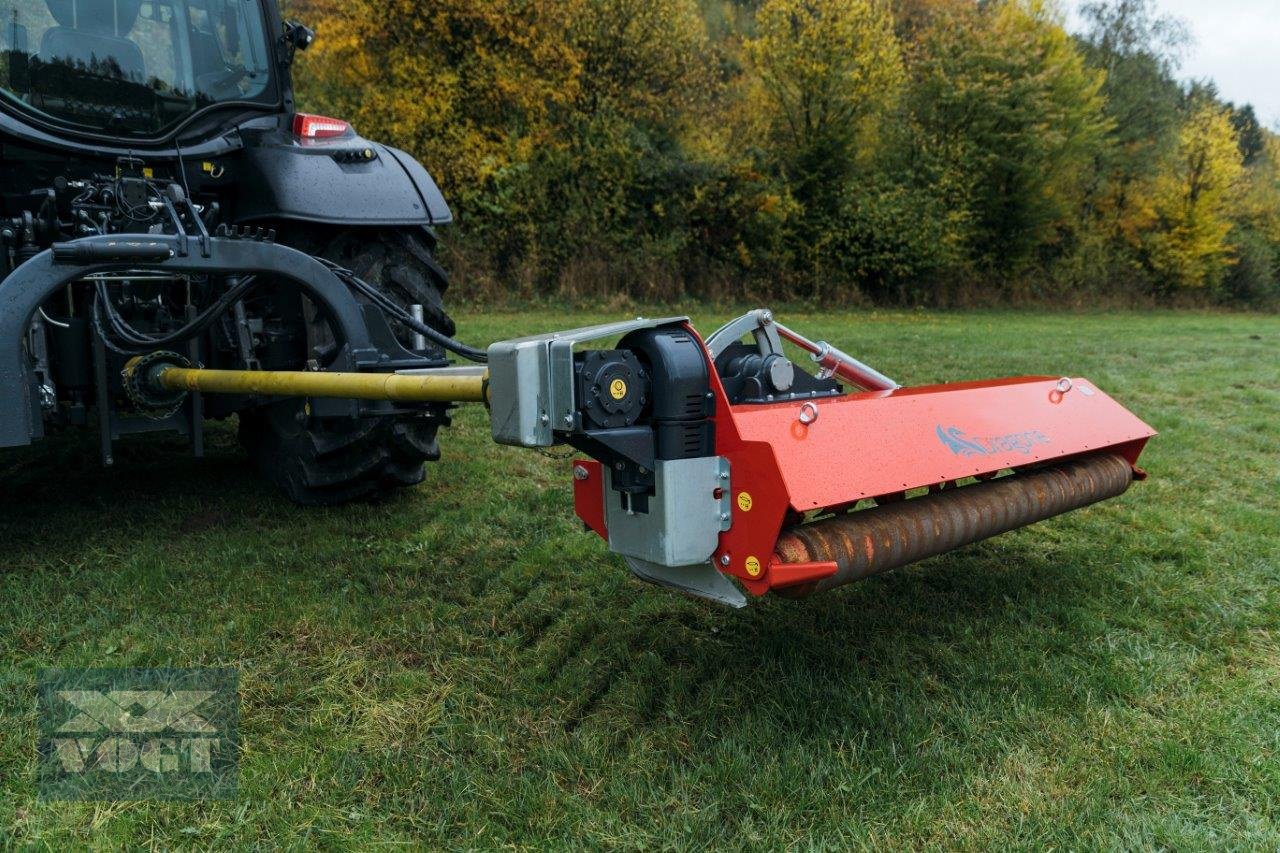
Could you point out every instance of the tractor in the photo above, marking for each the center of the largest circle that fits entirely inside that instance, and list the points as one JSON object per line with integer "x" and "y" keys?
{"x": 120, "y": 118}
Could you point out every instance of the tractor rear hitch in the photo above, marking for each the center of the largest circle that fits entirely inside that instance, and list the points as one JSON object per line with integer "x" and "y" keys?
{"x": 717, "y": 465}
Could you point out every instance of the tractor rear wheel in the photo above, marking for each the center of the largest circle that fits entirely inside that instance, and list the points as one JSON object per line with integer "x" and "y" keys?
{"x": 326, "y": 462}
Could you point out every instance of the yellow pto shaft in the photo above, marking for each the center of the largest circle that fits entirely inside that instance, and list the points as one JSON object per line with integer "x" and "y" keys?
{"x": 443, "y": 386}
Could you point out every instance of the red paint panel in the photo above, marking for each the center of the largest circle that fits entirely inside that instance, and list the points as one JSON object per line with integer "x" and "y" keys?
{"x": 864, "y": 445}
{"x": 588, "y": 496}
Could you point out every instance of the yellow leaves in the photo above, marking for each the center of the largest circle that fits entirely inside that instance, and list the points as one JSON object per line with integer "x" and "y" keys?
{"x": 1194, "y": 199}
{"x": 1010, "y": 119}
{"x": 463, "y": 84}
{"x": 1210, "y": 165}
{"x": 825, "y": 65}
{"x": 1259, "y": 204}
{"x": 796, "y": 138}
{"x": 645, "y": 59}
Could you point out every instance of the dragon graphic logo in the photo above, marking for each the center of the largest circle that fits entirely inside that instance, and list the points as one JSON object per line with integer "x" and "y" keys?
{"x": 962, "y": 444}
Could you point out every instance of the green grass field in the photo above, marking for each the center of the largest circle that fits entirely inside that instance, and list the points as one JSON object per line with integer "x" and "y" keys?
{"x": 462, "y": 665}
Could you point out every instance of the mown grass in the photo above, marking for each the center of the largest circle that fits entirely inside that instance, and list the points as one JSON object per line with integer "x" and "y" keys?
{"x": 463, "y": 666}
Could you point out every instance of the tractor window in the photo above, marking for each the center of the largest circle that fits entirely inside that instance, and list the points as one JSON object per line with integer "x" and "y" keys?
{"x": 132, "y": 67}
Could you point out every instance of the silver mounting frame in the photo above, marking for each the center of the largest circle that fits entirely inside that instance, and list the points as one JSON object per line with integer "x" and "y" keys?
{"x": 687, "y": 512}
{"x": 531, "y": 381}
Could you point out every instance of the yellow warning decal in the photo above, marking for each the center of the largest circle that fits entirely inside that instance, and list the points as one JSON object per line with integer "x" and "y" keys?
{"x": 744, "y": 501}
{"x": 617, "y": 389}
{"x": 753, "y": 567}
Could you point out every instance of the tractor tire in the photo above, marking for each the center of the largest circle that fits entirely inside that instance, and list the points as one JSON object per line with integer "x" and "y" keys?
{"x": 325, "y": 462}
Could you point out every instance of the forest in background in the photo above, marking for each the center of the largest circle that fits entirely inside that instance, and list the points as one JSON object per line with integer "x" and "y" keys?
{"x": 923, "y": 152}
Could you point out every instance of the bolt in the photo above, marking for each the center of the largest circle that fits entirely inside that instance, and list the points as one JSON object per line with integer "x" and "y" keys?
{"x": 724, "y": 559}
{"x": 724, "y": 475}
{"x": 580, "y": 472}
{"x": 545, "y": 420}
{"x": 568, "y": 420}
{"x": 724, "y": 516}
{"x": 618, "y": 466}
{"x": 766, "y": 317}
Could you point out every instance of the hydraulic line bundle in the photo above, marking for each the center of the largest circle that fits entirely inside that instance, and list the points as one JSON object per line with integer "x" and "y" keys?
{"x": 718, "y": 465}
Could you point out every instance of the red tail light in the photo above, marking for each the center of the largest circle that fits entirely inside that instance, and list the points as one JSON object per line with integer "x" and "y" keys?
{"x": 309, "y": 126}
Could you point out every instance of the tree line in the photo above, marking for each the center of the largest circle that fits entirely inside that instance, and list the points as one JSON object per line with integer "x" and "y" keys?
{"x": 905, "y": 151}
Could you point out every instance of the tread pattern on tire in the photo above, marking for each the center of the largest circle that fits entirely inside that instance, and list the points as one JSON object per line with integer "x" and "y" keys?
{"x": 331, "y": 462}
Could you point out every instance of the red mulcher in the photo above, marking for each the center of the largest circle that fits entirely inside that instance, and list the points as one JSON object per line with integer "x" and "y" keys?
{"x": 801, "y": 467}
{"x": 720, "y": 459}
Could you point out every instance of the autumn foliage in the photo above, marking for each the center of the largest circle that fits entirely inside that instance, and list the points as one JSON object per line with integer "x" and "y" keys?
{"x": 930, "y": 151}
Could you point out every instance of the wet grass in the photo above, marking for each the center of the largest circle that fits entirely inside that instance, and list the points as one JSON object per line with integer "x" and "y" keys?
{"x": 463, "y": 666}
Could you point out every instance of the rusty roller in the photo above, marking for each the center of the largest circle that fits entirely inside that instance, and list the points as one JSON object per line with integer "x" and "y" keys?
{"x": 887, "y": 537}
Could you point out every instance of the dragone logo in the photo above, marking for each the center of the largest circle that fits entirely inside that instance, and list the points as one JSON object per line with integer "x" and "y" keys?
{"x": 113, "y": 734}
{"x": 963, "y": 444}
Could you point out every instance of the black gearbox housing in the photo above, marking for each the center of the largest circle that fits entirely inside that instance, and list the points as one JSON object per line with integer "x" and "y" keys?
{"x": 661, "y": 411}
{"x": 682, "y": 402}
{"x": 745, "y": 374}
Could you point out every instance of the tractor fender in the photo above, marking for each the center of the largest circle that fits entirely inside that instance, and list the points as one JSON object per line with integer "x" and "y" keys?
{"x": 348, "y": 181}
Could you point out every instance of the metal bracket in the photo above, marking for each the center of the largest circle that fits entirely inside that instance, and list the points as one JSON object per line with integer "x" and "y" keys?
{"x": 769, "y": 334}
{"x": 758, "y": 322}
{"x": 726, "y": 494}
{"x": 532, "y": 384}
{"x": 686, "y": 515}
{"x": 703, "y": 581}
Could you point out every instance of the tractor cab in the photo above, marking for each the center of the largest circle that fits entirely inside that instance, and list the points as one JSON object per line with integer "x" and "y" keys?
{"x": 132, "y": 68}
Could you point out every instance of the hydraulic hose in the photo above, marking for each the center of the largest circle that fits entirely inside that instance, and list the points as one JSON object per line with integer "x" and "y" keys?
{"x": 397, "y": 313}
{"x": 130, "y": 341}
